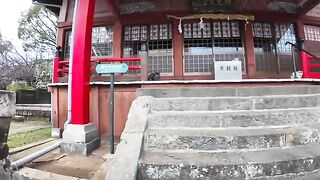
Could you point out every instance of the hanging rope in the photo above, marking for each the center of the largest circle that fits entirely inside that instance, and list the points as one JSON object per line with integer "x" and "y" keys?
{"x": 213, "y": 16}
{"x": 216, "y": 17}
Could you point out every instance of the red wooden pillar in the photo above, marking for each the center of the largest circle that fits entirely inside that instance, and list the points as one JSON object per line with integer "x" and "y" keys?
{"x": 81, "y": 62}
{"x": 177, "y": 38}
{"x": 249, "y": 50}
{"x": 305, "y": 64}
{"x": 117, "y": 39}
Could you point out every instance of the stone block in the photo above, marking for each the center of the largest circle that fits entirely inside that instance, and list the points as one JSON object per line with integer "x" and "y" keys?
{"x": 7, "y": 103}
{"x": 18, "y": 118}
{"x": 80, "y": 133}
{"x": 80, "y": 139}
{"x": 81, "y": 148}
{"x": 55, "y": 132}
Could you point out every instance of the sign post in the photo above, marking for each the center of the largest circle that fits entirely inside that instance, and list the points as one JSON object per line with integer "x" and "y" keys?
{"x": 112, "y": 69}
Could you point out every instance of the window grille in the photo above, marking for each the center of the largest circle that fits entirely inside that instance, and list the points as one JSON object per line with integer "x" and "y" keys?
{"x": 219, "y": 41}
{"x": 159, "y": 40}
{"x": 102, "y": 42}
{"x": 271, "y": 53}
{"x": 312, "y": 39}
{"x": 265, "y": 54}
{"x": 285, "y": 33}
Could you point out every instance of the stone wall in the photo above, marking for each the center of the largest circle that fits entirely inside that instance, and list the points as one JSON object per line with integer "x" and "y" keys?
{"x": 7, "y": 104}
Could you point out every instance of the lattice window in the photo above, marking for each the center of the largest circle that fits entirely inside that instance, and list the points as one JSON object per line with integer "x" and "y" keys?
{"x": 194, "y": 31}
{"x": 312, "y": 37}
{"x": 284, "y": 33}
{"x": 160, "y": 49}
{"x": 133, "y": 38}
{"x": 312, "y": 33}
{"x": 159, "y": 38}
{"x": 220, "y": 41}
{"x": 271, "y": 53}
{"x": 265, "y": 53}
{"x": 102, "y": 42}
{"x": 227, "y": 45}
{"x": 262, "y": 30}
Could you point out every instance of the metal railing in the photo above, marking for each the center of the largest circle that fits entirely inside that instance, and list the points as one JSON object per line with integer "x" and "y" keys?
{"x": 62, "y": 67}
{"x": 306, "y": 56}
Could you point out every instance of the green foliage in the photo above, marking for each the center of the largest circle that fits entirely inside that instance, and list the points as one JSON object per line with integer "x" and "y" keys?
{"x": 19, "y": 86}
{"x": 22, "y": 139}
{"x": 38, "y": 29}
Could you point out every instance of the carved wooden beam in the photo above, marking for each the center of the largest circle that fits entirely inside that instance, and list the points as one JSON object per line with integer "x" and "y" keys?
{"x": 113, "y": 5}
{"x": 308, "y": 6}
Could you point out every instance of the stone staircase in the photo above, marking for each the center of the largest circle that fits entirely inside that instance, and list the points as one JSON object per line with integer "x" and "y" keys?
{"x": 268, "y": 132}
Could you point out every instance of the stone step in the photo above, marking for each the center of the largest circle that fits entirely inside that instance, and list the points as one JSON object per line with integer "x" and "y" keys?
{"x": 244, "y": 165}
{"x": 236, "y": 103}
{"x": 229, "y": 139}
{"x": 251, "y": 118}
{"x": 302, "y": 176}
{"x": 228, "y": 91}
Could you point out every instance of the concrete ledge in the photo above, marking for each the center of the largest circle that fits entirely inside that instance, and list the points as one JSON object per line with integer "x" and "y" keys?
{"x": 34, "y": 105}
{"x": 125, "y": 162}
{"x": 34, "y": 174}
{"x": 228, "y": 91}
{"x": 198, "y": 82}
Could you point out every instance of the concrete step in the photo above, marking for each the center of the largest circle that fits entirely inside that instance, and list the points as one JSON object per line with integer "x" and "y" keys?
{"x": 244, "y": 165}
{"x": 236, "y": 103}
{"x": 246, "y": 118}
{"x": 229, "y": 139}
{"x": 228, "y": 91}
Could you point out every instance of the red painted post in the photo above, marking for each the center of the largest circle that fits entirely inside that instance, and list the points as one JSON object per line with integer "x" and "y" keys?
{"x": 81, "y": 62}
{"x": 177, "y": 42}
{"x": 305, "y": 64}
{"x": 56, "y": 65}
{"x": 249, "y": 50}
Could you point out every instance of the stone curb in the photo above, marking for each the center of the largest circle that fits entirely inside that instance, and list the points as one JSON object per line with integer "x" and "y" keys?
{"x": 28, "y": 129}
{"x": 33, "y": 174}
{"x": 29, "y": 146}
{"x": 125, "y": 162}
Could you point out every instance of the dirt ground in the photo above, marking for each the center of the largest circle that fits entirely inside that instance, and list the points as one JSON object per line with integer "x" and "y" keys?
{"x": 93, "y": 166}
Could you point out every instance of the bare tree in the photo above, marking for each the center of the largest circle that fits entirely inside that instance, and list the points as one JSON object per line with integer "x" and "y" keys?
{"x": 37, "y": 28}
{"x": 15, "y": 65}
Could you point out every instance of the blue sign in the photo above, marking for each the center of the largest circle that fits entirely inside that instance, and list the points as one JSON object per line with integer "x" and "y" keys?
{"x": 112, "y": 68}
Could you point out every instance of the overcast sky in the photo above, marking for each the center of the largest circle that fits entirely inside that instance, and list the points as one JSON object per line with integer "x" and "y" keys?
{"x": 10, "y": 11}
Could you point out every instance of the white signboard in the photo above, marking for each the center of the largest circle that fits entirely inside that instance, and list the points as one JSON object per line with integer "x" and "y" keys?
{"x": 228, "y": 70}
